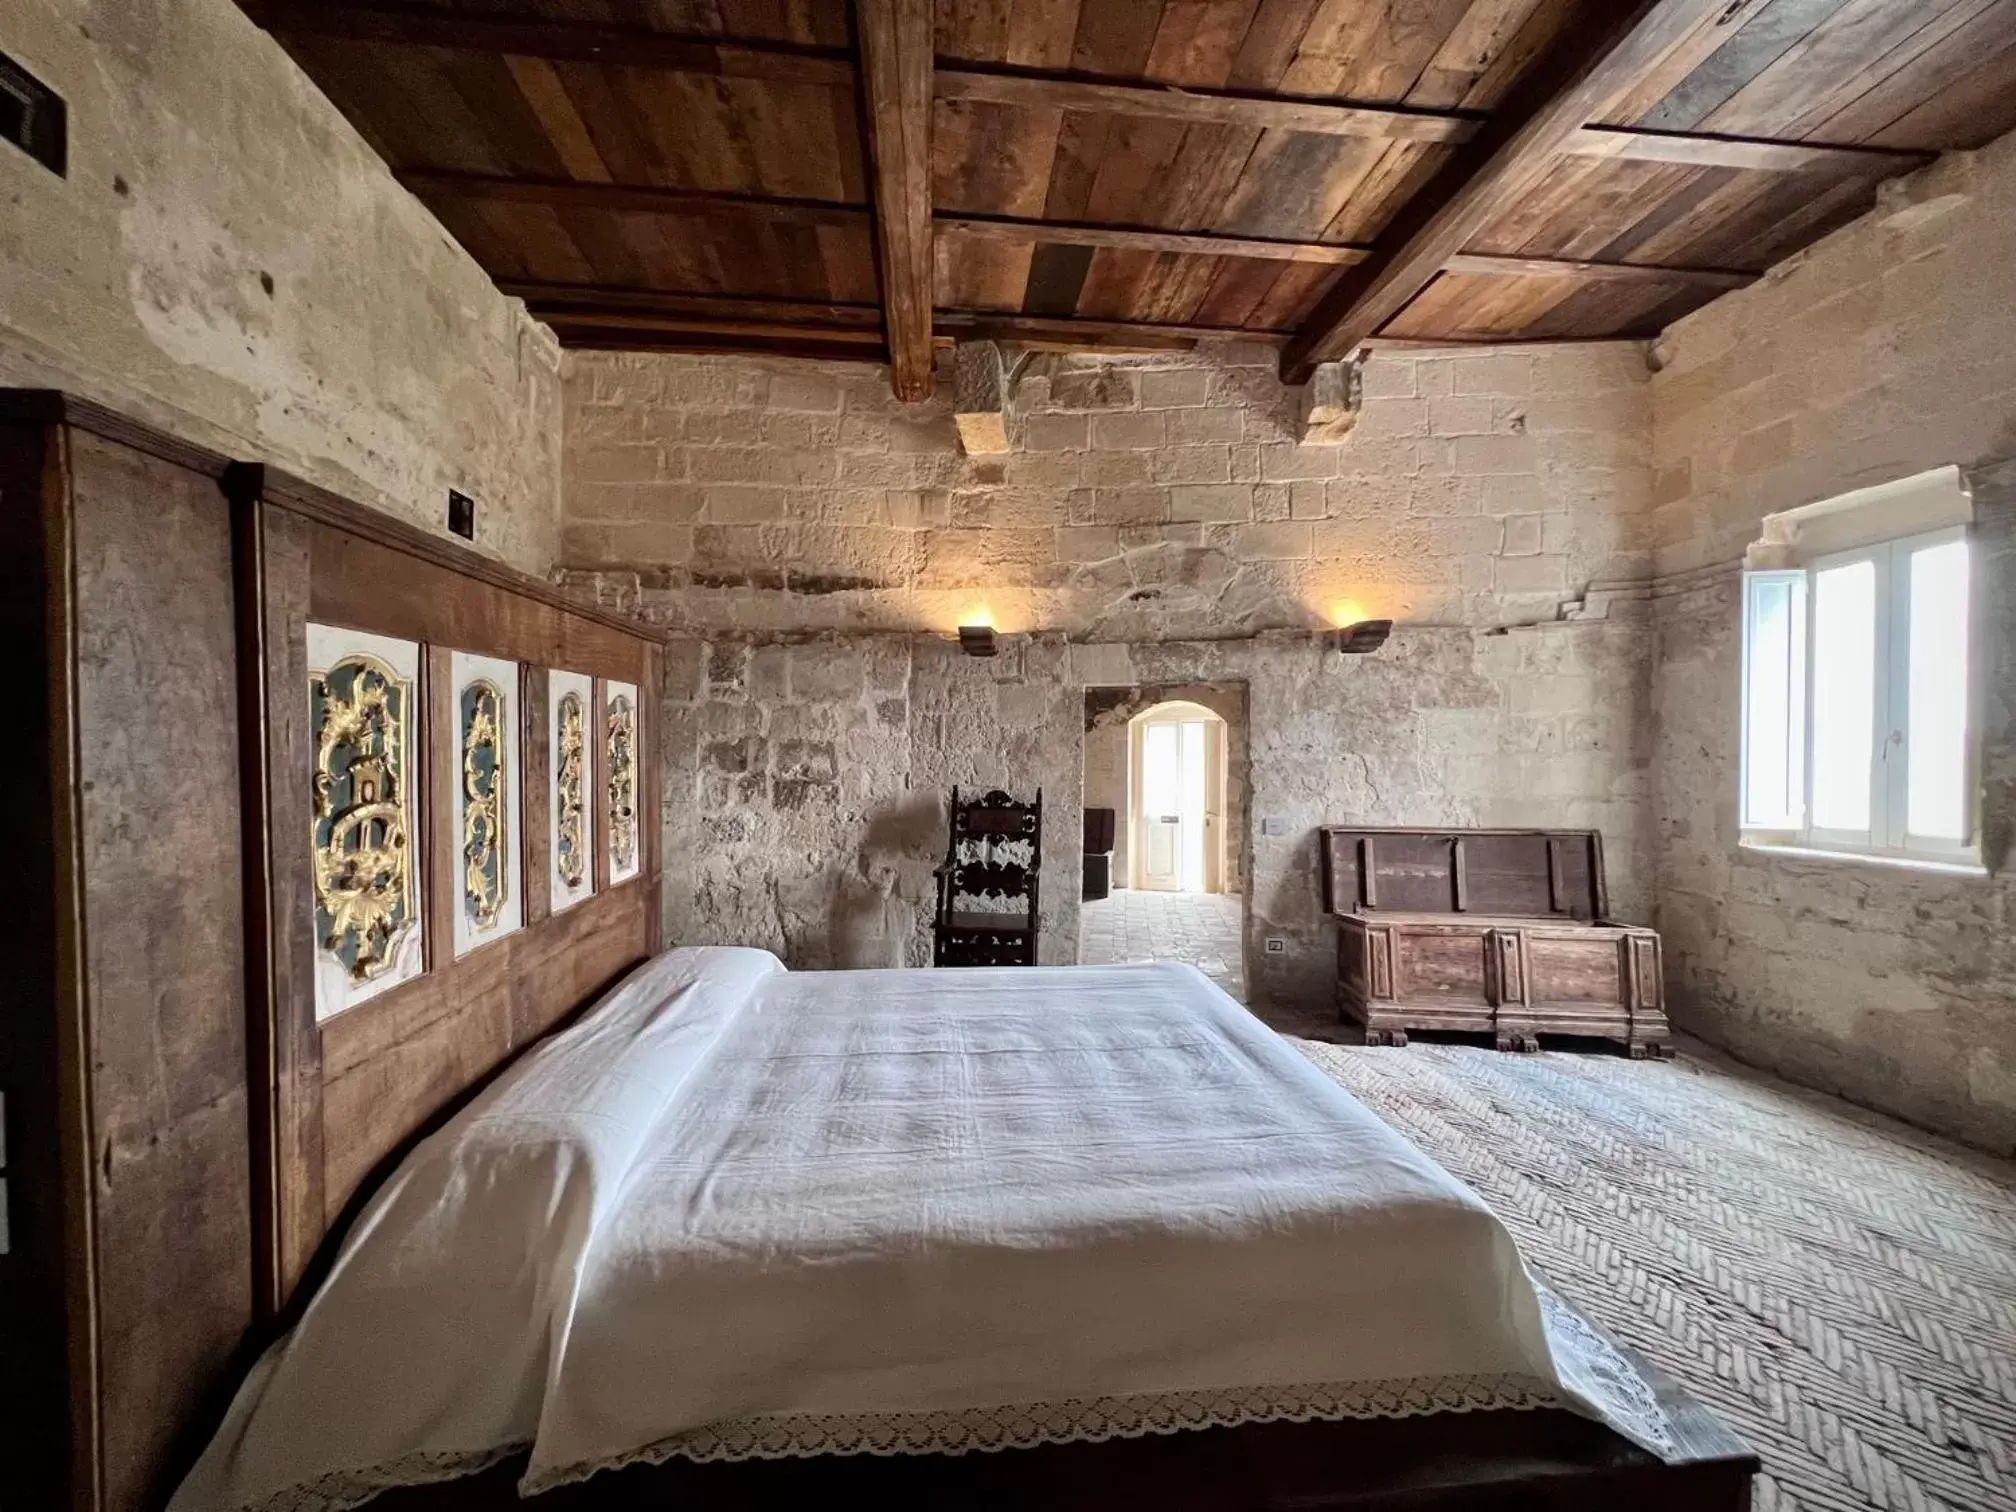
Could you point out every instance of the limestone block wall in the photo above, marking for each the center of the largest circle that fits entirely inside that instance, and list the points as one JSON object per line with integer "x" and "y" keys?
{"x": 1887, "y": 349}
{"x": 809, "y": 544}
{"x": 806, "y": 775}
{"x": 228, "y": 260}
{"x": 1141, "y": 499}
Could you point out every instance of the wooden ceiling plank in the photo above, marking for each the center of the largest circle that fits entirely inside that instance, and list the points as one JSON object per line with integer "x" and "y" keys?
{"x": 1890, "y": 109}
{"x": 1769, "y": 33}
{"x": 1824, "y": 65}
{"x": 896, "y": 69}
{"x": 1512, "y": 154}
{"x": 633, "y": 46}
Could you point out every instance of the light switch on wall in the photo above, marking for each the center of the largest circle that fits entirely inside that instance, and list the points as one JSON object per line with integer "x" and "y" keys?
{"x": 1273, "y": 826}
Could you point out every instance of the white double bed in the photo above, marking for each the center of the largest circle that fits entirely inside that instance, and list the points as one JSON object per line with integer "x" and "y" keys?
{"x": 739, "y": 1211}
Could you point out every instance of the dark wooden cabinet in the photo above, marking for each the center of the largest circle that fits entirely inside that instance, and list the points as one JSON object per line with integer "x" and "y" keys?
{"x": 1490, "y": 931}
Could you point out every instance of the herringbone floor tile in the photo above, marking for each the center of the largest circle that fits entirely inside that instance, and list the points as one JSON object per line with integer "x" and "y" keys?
{"x": 1839, "y": 1289}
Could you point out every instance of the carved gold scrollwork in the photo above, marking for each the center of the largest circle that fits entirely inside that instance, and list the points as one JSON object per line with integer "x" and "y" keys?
{"x": 571, "y": 851}
{"x": 485, "y": 882}
{"x": 622, "y": 785}
{"x": 363, "y": 867}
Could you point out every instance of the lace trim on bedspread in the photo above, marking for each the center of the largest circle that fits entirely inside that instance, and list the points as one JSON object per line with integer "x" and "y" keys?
{"x": 340, "y": 1490}
{"x": 1589, "y": 1363}
{"x": 1072, "y": 1420}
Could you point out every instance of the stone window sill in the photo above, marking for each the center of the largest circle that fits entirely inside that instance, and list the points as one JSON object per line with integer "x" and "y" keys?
{"x": 1920, "y": 864}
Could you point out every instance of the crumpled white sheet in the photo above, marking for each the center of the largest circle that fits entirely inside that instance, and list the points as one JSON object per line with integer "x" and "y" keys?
{"x": 735, "y": 1193}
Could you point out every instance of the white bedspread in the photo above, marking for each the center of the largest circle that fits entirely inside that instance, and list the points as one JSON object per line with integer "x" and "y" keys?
{"x": 739, "y": 1195}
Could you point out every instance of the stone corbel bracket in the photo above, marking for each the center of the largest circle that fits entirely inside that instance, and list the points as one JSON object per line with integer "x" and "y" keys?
{"x": 983, "y": 378}
{"x": 1331, "y": 401}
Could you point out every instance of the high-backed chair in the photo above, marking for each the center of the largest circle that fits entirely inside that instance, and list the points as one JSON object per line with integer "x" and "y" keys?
{"x": 989, "y": 886}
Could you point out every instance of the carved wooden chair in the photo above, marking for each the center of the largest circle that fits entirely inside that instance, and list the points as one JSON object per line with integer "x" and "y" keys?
{"x": 989, "y": 887}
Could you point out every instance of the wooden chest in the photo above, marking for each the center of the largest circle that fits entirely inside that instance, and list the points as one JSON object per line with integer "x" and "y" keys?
{"x": 1495, "y": 931}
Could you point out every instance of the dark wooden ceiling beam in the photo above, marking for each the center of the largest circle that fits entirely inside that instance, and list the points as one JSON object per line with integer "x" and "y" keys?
{"x": 576, "y": 41}
{"x": 1021, "y": 232}
{"x": 1330, "y": 118}
{"x": 896, "y": 65}
{"x": 1277, "y": 112}
{"x": 652, "y": 200}
{"x": 646, "y": 199}
{"x": 577, "y": 298}
{"x": 1489, "y": 265}
{"x": 1507, "y": 159}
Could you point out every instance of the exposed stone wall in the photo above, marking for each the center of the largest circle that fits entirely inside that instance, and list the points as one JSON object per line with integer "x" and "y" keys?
{"x": 1109, "y": 755}
{"x": 1887, "y": 349}
{"x": 1141, "y": 499}
{"x": 804, "y": 806}
{"x": 227, "y": 259}
{"x": 1154, "y": 523}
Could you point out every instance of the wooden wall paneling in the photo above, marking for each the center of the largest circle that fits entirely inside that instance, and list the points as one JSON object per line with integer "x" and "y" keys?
{"x": 441, "y": 777}
{"x": 274, "y": 575}
{"x": 650, "y": 797}
{"x": 48, "y": 1370}
{"x": 537, "y": 810}
{"x": 163, "y": 950}
{"x": 598, "y": 801}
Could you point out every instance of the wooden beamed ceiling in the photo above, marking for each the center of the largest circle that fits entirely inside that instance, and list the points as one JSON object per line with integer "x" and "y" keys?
{"x": 876, "y": 181}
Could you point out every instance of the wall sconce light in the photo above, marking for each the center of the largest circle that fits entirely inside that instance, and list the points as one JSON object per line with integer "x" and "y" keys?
{"x": 1364, "y": 637}
{"x": 976, "y": 640}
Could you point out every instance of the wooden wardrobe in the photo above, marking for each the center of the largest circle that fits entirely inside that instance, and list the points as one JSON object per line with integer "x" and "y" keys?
{"x": 184, "y": 1134}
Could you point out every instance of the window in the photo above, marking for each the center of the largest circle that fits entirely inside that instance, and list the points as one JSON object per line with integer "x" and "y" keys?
{"x": 1858, "y": 703}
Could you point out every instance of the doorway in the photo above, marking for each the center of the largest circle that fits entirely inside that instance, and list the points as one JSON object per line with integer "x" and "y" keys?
{"x": 1165, "y": 795}
{"x": 1176, "y": 787}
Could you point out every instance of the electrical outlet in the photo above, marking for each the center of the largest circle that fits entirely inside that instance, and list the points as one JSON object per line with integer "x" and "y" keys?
{"x": 1276, "y": 945}
{"x": 1273, "y": 825}
{"x": 461, "y": 514}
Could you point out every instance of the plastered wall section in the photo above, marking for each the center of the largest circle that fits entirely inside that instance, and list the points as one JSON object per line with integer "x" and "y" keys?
{"x": 1886, "y": 349}
{"x": 228, "y": 259}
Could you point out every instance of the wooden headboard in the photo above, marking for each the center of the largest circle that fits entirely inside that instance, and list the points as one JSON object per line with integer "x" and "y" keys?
{"x": 337, "y": 1098}
{"x": 183, "y": 1132}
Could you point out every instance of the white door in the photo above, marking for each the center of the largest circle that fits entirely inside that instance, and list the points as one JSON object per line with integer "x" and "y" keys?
{"x": 1160, "y": 819}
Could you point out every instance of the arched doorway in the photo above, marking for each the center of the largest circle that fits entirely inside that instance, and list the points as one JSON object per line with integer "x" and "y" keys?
{"x": 1165, "y": 793}
{"x": 1175, "y": 822}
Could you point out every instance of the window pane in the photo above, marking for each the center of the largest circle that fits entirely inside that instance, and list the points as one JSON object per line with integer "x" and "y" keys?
{"x": 1774, "y": 767}
{"x": 1937, "y": 722}
{"x": 1844, "y": 694}
{"x": 1161, "y": 769}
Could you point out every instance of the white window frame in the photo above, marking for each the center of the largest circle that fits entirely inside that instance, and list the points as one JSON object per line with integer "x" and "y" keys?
{"x": 1887, "y": 837}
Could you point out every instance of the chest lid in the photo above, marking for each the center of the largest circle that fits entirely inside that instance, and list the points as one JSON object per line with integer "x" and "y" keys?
{"x": 1540, "y": 874}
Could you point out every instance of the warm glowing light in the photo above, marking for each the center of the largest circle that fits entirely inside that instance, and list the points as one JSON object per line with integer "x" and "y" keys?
{"x": 979, "y": 614}
{"x": 1347, "y": 612}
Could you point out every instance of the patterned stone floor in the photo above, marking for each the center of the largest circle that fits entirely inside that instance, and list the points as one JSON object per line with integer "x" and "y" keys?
{"x": 1133, "y": 925}
{"x": 1839, "y": 1289}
